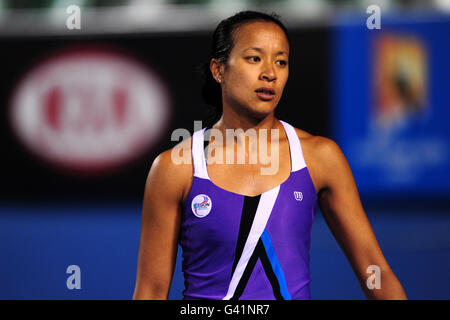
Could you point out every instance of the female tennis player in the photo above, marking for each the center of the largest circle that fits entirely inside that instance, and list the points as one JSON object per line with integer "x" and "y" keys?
{"x": 246, "y": 233}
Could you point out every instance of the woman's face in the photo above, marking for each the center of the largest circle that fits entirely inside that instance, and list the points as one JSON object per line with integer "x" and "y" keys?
{"x": 257, "y": 68}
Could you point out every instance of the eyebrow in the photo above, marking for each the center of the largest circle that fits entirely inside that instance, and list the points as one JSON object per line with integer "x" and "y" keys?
{"x": 262, "y": 51}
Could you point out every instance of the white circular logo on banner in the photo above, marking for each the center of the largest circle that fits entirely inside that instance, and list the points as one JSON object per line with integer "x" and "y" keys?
{"x": 89, "y": 110}
{"x": 201, "y": 205}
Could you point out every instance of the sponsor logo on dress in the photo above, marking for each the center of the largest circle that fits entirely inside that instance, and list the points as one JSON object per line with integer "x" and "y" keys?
{"x": 201, "y": 205}
{"x": 298, "y": 195}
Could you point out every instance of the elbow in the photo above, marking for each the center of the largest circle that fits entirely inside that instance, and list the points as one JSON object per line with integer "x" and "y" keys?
{"x": 152, "y": 292}
{"x": 383, "y": 284}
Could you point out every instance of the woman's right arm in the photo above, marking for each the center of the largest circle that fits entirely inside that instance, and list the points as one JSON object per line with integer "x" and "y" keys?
{"x": 160, "y": 226}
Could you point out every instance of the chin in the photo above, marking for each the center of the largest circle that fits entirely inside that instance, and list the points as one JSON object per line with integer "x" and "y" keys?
{"x": 258, "y": 109}
{"x": 261, "y": 113}
{"x": 265, "y": 107}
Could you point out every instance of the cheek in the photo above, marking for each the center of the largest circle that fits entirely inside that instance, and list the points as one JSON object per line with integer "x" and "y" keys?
{"x": 283, "y": 76}
{"x": 240, "y": 73}
{"x": 242, "y": 82}
{"x": 282, "y": 81}
{"x": 243, "y": 76}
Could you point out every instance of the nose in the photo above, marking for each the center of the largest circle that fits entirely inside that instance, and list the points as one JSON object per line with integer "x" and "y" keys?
{"x": 268, "y": 74}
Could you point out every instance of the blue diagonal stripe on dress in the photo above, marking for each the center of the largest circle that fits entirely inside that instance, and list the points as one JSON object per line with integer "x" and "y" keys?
{"x": 275, "y": 264}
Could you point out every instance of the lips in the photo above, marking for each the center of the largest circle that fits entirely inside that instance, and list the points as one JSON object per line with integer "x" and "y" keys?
{"x": 265, "y": 93}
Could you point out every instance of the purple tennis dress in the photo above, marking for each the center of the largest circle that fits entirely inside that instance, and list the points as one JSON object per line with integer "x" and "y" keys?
{"x": 250, "y": 248}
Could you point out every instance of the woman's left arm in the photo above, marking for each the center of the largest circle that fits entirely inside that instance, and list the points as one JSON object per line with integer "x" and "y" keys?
{"x": 343, "y": 212}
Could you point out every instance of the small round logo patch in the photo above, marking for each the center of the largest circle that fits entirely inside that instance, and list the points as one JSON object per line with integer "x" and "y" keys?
{"x": 201, "y": 205}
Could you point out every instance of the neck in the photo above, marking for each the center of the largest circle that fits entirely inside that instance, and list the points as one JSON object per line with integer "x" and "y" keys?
{"x": 232, "y": 120}
{"x": 237, "y": 120}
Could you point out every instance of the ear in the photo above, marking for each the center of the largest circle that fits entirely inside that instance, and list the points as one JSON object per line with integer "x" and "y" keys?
{"x": 216, "y": 68}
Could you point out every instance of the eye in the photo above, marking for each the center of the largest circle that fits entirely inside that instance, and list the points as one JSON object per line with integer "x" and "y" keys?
{"x": 253, "y": 59}
{"x": 282, "y": 63}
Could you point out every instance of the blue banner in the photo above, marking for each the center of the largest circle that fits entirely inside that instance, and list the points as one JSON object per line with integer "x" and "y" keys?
{"x": 391, "y": 103}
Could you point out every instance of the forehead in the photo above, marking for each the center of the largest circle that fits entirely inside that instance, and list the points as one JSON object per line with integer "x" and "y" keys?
{"x": 262, "y": 34}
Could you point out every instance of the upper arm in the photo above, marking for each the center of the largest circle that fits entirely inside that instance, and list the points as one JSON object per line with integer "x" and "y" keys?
{"x": 161, "y": 216}
{"x": 342, "y": 209}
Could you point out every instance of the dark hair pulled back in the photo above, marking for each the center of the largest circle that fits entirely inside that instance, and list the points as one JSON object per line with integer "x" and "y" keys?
{"x": 222, "y": 44}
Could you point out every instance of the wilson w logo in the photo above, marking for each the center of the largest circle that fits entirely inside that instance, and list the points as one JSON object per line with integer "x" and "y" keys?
{"x": 298, "y": 195}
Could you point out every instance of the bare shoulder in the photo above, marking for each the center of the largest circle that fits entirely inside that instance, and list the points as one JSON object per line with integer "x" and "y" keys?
{"x": 172, "y": 170}
{"x": 322, "y": 156}
{"x": 318, "y": 145}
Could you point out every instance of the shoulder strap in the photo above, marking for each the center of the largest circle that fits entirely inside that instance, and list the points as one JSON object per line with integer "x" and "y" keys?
{"x": 297, "y": 160}
{"x": 198, "y": 155}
